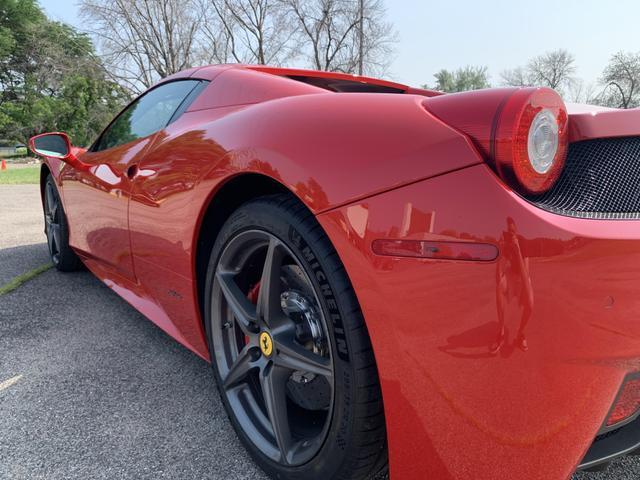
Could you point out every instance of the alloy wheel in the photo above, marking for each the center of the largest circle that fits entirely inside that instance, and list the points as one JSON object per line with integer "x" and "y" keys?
{"x": 52, "y": 221}
{"x": 271, "y": 347}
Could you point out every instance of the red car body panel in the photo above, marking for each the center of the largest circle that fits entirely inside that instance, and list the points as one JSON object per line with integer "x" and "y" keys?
{"x": 372, "y": 166}
{"x": 455, "y": 407}
{"x": 596, "y": 122}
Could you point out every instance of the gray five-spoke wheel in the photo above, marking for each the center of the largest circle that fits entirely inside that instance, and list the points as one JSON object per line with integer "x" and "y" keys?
{"x": 52, "y": 213}
{"x": 271, "y": 347}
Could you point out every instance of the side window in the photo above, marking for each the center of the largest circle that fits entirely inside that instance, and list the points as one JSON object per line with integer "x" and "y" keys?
{"x": 148, "y": 114}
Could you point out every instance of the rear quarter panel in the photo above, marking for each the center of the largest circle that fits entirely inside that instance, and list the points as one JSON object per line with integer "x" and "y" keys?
{"x": 328, "y": 149}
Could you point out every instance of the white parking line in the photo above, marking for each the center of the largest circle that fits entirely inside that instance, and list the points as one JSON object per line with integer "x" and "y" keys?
{"x": 7, "y": 383}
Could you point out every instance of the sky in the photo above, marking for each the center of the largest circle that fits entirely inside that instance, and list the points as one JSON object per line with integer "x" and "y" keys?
{"x": 500, "y": 34}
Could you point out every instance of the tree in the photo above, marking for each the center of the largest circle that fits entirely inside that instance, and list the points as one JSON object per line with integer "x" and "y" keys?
{"x": 348, "y": 36}
{"x": 621, "y": 80}
{"x": 327, "y": 27}
{"x": 581, "y": 92}
{"x": 376, "y": 39}
{"x": 18, "y": 36}
{"x": 517, "y": 77}
{"x": 554, "y": 69}
{"x": 252, "y": 31}
{"x": 50, "y": 78}
{"x": 144, "y": 40}
{"x": 463, "y": 79}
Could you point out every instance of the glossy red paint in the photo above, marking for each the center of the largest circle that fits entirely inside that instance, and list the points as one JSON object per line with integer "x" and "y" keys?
{"x": 519, "y": 359}
{"x": 599, "y": 122}
{"x": 98, "y": 198}
{"x": 495, "y": 369}
{"x": 627, "y": 404}
{"x": 499, "y": 120}
{"x": 440, "y": 250}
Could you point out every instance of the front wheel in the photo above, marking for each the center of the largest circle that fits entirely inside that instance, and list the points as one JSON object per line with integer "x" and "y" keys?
{"x": 56, "y": 230}
{"x": 290, "y": 349}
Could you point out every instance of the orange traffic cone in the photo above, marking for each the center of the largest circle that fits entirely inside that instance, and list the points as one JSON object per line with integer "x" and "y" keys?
{"x": 3, "y": 165}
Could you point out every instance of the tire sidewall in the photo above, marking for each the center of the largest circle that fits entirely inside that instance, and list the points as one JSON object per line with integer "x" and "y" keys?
{"x": 67, "y": 258}
{"x": 304, "y": 245}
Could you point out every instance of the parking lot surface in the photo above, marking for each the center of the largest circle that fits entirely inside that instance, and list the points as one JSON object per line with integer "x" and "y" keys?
{"x": 90, "y": 389}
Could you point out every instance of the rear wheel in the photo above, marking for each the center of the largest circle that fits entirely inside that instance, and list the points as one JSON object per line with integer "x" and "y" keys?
{"x": 57, "y": 231}
{"x": 289, "y": 347}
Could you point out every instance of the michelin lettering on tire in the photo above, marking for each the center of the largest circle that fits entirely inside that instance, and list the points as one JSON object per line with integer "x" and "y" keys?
{"x": 334, "y": 313}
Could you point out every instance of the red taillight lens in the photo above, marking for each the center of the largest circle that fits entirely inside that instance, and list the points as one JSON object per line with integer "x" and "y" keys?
{"x": 531, "y": 139}
{"x": 523, "y": 133}
{"x": 627, "y": 404}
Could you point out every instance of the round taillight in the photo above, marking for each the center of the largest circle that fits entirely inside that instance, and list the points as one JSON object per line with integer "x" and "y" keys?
{"x": 542, "y": 145}
{"x": 531, "y": 139}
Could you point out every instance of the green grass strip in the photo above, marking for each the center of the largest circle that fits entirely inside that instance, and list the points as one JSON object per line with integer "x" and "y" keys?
{"x": 20, "y": 175}
{"x": 24, "y": 278}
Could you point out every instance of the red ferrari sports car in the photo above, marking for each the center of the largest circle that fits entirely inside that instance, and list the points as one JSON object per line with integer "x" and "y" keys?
{"x": 380, "y": 275}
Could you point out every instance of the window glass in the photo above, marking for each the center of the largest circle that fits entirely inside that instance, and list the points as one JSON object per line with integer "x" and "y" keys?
{"x": 147, "y": 114}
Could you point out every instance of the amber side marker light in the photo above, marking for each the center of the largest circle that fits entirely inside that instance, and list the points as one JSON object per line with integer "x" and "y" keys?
{"x": 627, "y": 404}
{"x": 483, "y": 252}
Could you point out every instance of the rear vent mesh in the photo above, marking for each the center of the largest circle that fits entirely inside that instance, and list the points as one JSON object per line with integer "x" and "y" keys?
{"x": 601, "y": 179}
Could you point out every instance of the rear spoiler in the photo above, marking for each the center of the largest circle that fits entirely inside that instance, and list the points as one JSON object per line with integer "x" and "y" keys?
{"x": 587, "y": 122}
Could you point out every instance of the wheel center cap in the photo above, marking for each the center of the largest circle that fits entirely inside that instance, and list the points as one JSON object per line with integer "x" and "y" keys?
{"x": 266, "y": 344}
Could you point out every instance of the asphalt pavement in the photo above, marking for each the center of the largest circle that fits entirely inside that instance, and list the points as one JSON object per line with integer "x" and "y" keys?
{"x": 22, "y": 246}
{"x": 90, "y": 389}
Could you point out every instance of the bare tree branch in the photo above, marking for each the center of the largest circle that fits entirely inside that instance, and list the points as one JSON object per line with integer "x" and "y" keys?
{"x": 144, "y": 40}
{"x": 553, "y": 69}
{"x": 141, "y": 41}
{"x": 621, "y": 81}
{"x": 345, "y": 35}
{"x": 254, "y": 31}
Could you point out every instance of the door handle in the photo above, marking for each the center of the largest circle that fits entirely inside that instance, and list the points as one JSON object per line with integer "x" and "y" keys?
{"x": 132, "y": 171}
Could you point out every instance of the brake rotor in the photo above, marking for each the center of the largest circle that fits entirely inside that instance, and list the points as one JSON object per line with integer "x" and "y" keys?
{"x": 298, "y": 302}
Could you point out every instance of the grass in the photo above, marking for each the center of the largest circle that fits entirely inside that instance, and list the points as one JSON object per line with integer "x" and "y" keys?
{"x": 22, "y": 175}
{"x": 24, "y": 278}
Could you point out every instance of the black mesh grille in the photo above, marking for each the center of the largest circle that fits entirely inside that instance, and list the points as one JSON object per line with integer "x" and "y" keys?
{"x": 601, "y": 179}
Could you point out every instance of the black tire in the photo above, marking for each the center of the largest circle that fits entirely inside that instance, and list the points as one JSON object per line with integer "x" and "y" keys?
{"x": 354, "y": 445}
{"x": 57, "y": 231}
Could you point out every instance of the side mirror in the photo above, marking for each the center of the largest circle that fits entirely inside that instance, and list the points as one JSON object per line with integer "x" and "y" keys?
{"x": 55, "y": 145}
